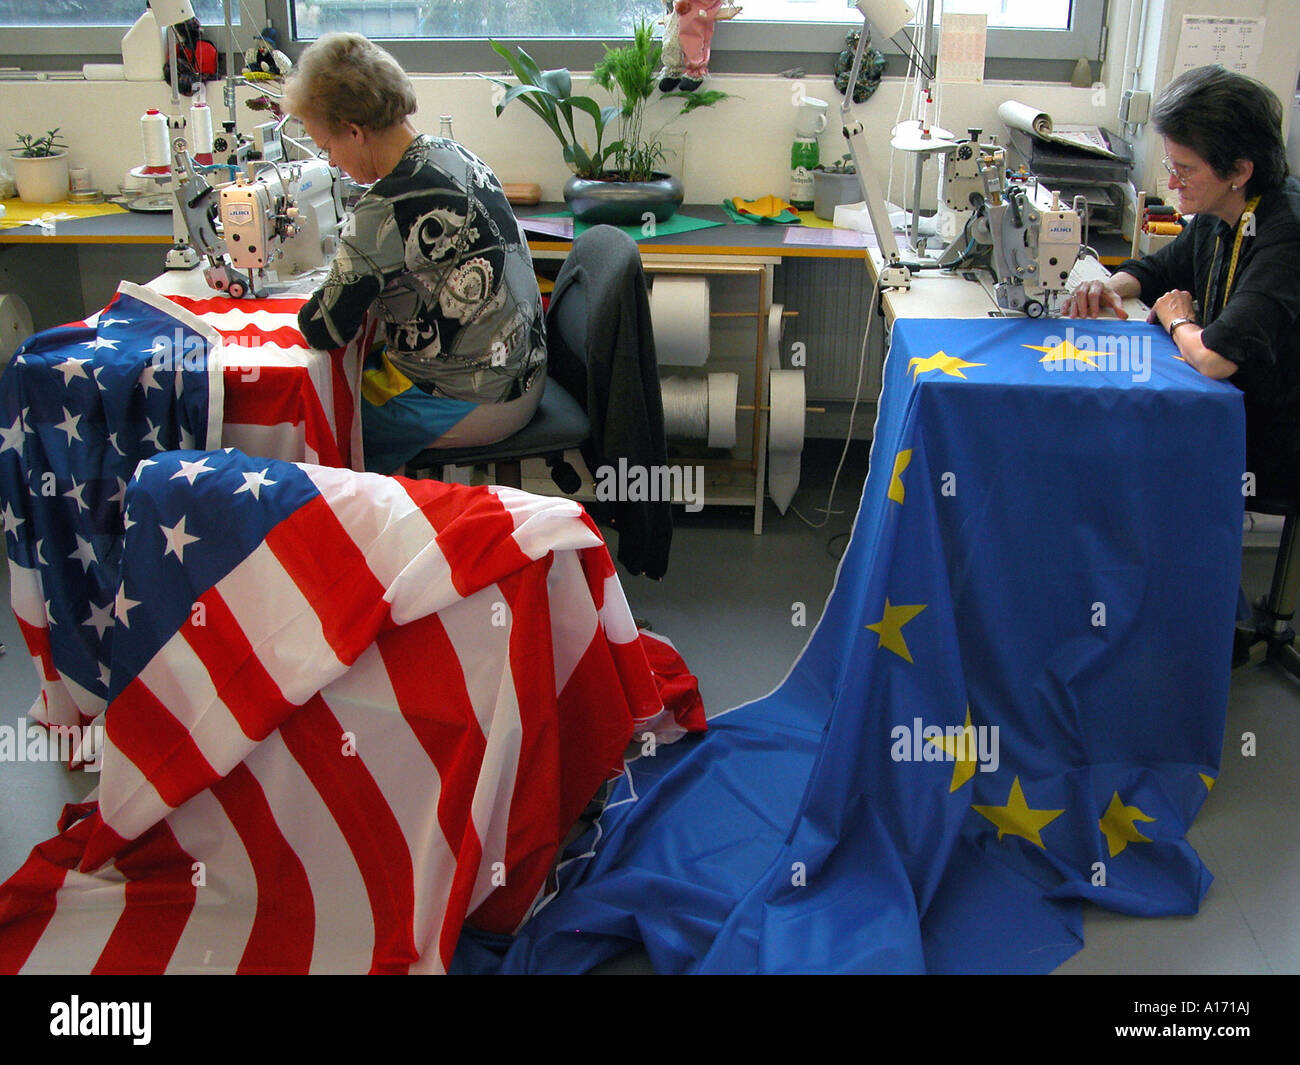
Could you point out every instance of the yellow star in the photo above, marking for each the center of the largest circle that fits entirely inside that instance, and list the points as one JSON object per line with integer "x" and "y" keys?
{"x": 962, "y": 749}
{"x": 890, "y": 627}
{"x": 1207, "y": 781}
{"x": 1017, "y": 818}
{"x": 949, "y": 364}
{"x": 901, "y": 462}
{"x": 1117, "y": 825}
{"x": 1062, "y": 352}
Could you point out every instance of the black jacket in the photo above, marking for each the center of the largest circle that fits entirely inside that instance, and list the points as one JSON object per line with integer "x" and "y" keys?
{"x": 616, "y": 378}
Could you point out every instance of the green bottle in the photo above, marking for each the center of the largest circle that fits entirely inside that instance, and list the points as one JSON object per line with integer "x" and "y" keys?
{"x": 804, "y": 156}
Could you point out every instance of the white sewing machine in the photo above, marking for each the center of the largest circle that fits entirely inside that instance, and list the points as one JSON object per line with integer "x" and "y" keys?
{"x": 282, "y": 220}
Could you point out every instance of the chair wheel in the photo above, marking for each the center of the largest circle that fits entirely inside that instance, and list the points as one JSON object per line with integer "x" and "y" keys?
{"x": 566, "y": 478}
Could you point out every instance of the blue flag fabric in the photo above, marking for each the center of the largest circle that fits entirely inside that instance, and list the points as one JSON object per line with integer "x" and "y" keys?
{"x": 80, "y": 407}
{"x": 1014, "y": 700}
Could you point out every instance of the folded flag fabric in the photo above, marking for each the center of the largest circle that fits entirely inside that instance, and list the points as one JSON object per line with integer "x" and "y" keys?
{"x": 1014, "y": 701}
{"x": 347, "y": 714}
{"x": 80, "y": 406}
{"x": 769, "y": 210}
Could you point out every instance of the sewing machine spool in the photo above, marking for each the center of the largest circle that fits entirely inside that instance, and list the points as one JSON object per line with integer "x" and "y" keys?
{"x": 701, "y": 408}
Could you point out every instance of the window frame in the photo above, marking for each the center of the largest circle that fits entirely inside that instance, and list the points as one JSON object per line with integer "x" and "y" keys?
{"x": 768, "y": 47}
{"x": 101, "y": 43}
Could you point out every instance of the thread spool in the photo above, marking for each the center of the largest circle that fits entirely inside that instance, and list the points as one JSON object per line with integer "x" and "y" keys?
{"x": 679, "y": 313}
{"x": 1165, "y": 229}
{"x": 201, "y": 131}
{"x": 154, "y": 138}
{"x": 701, "y": 408}
{"x": 785, "y": 435}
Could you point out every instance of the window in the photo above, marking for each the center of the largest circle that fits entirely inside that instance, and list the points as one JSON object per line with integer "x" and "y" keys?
{"x": 72, "y": 32}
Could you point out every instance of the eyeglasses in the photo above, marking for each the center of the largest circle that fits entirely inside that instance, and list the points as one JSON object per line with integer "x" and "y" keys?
{"x": 1182, "y": 173}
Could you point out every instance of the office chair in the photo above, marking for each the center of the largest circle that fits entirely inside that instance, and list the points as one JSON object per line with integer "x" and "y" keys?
{"x": 1269, "y": 633}
{"x": 559, "y": 424}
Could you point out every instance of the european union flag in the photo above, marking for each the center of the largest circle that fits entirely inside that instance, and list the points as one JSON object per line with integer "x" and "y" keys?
{"x": 80, "y": 406}
{"x": 1014, "y": 700}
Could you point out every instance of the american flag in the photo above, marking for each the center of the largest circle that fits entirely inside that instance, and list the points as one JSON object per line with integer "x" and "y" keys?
{"x": 80, "y": 406}
{"x": 161, "y": 367}
{"x": 348, "y": 713}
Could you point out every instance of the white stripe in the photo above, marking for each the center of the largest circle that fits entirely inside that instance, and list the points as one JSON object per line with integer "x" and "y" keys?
{"x": 573, "y": 615}
{"x": 394, "y": 536}
{"x": 365, "y": 704}
{"x": 484, "y": 653}
{"x": 26, "y": 595}
{"x": 615, "y": 615}
{"x": 225, "y": 905}
{"x": 284, "y": 440}
{"x": 87, "y": 909}
{"x": 544, "y": 523}
{"x": 280, "y": 625}
{"x": 344, "y": 935}
{"x": 179, "y": 680}
{"x": 128, "y": 802}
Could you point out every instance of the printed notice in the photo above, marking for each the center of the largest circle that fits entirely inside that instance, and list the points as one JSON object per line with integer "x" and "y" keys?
{"x": 961, "y": 48}
{"x": 1234, "y": 43}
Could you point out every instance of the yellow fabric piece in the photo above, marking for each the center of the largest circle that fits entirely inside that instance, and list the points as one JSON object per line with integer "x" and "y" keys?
{"x": 809, "y": 219}
{"x": 18, "y": 213}
{"x": 766, "y": 207}
{"x": 382, "y": 383}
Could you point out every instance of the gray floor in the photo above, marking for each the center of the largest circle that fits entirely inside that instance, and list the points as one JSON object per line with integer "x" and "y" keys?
{"x": 727, "y": 605}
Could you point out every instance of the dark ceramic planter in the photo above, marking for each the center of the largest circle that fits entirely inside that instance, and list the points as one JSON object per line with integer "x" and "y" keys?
{"x": 623, "y": 203}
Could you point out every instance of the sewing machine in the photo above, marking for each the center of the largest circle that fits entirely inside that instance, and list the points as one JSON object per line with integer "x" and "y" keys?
{"x": 1031, "y": 243}
{"x": 283, "y": 219}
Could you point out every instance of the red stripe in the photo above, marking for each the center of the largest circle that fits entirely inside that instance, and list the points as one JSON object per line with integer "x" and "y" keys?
{"x": 37, "y": 639}
{"x": 162, "y": 748}
{"x": 436, "y": 704}
{"x": 474, "y": 531}
{"x": 315, "y": 738}
{"x": 29, "y": 898}
{"x": 286, "y": 337}
{"x": 284, "y": 926}
{"x": 241, "y": 681}
{"x": 331, "y": 572}
{"x": 160, "y": 896}
{"x": 281, "y": 395}
{"x": 215, "y": 304}
{"x": 102, "y": 842}
{"x": 537, "y": 827}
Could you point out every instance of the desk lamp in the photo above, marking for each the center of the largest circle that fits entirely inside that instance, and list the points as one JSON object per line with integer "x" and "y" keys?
{"x": 888, "y": 17}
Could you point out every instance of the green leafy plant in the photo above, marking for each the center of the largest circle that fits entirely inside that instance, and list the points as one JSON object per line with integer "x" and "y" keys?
{"x": 630, "y": 72}
{"x": 549, "y": 95}
{"x": 30, "y": 147}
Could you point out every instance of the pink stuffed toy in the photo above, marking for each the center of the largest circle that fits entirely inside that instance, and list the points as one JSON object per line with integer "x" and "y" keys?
{"x": 687, "y": 36}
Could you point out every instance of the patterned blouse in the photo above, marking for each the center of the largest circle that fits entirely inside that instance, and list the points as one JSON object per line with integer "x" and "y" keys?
{"x": 437, "y": 251}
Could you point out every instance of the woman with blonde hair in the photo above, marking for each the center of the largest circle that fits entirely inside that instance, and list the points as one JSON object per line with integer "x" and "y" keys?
{"x": 434, "y": 248}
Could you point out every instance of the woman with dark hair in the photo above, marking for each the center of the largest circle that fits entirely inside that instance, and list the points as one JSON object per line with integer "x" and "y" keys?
{"x": 1228, "y": 288}
{"x": 434, "y": 249}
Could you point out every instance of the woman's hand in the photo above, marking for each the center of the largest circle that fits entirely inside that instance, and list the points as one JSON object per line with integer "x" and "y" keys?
{"x": 1172, "y": 306}
{"x": 1091, "y": 299}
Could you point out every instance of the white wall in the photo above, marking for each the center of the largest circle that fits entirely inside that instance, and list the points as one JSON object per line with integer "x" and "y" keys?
{"x": 738, "y": 148}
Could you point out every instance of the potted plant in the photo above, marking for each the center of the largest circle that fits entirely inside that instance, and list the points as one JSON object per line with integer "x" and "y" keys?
{"x": 40, "y": 168}
{"x": 833, "y": 184}
{"x": 615, "y": 182}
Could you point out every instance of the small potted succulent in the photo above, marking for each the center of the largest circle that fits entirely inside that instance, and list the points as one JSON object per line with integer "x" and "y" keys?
{"x": 833, "y": 184}
{"x": 40, "y": 168}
